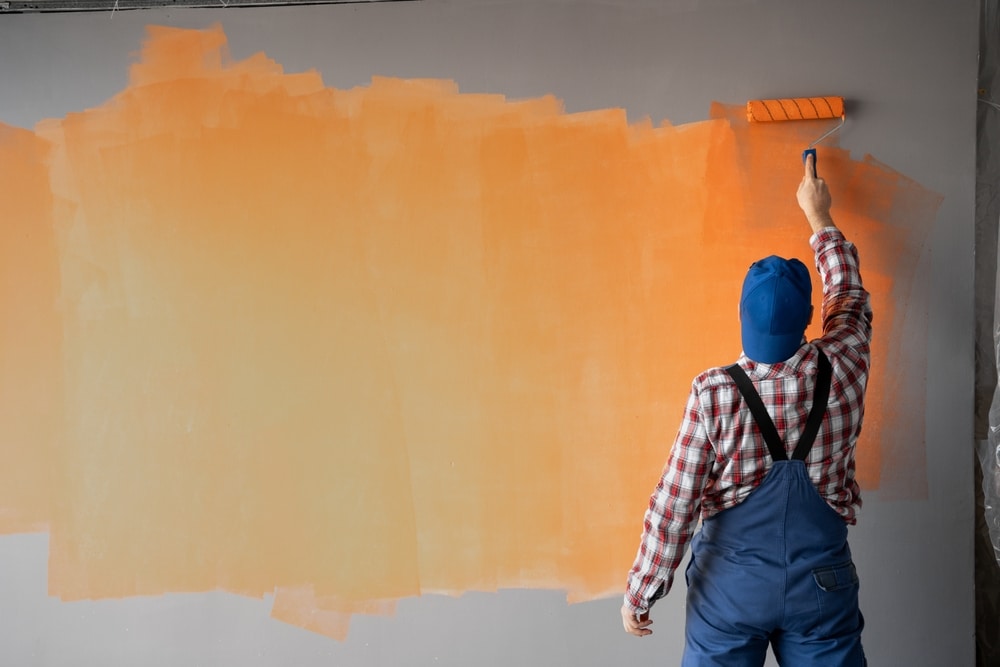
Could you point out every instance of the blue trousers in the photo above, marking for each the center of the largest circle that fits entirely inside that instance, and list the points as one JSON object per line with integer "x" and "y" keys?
{"x": 775, "y": 571}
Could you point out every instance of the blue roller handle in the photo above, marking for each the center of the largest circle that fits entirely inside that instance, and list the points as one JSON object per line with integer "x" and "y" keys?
{"x": 806, "y": 153}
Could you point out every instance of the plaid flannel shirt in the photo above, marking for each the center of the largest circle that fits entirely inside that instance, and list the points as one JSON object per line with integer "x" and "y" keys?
{"x": 719, "y": 456}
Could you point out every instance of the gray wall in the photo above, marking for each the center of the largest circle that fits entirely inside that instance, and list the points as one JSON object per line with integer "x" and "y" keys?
{"x": 911, "y": 67}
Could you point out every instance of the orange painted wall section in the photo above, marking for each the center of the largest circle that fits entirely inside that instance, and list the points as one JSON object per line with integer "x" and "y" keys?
{"x": 351, "y": 346}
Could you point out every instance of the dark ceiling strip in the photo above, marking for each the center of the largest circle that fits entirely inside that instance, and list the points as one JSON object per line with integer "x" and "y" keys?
{"x": 52, "y": 6}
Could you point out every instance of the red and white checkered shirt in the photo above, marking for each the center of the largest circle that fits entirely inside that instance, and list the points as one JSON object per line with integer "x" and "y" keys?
{"x": 719, "y": 455}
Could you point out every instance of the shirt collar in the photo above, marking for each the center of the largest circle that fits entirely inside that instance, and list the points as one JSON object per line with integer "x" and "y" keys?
{"x": 791, "y": 366}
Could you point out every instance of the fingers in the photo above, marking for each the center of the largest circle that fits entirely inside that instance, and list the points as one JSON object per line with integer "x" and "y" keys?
{"x": 810, "y": 168}
{"x": 640, "y": 629}
{"x": 814, "y": 199}
{"x": 635, "y": 626}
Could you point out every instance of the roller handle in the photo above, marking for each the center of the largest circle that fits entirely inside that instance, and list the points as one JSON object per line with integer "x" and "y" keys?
{"x": 805, "y": 154}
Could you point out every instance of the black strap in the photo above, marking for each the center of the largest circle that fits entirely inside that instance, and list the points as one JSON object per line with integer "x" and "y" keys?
{"x": 775, "y": 445}
{"x": 759, "y": 412}
{"x": 820, "y": 399}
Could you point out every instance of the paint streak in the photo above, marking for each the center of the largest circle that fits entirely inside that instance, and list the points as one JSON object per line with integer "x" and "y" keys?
{"x": 349, "y": 346}
{"x": 31, "y": 383}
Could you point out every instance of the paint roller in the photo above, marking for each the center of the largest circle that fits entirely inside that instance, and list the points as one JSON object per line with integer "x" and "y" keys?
{"x": 799, "y": 108}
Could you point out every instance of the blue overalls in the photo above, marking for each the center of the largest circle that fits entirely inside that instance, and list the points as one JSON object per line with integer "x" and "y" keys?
{"x": 775, "y": 569}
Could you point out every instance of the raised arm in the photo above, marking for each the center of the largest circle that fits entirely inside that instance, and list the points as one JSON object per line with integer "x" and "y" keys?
{"x": 846, "y": 310}
{"x": 814, "y": 198}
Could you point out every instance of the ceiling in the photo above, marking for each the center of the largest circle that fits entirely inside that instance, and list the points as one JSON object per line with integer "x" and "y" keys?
{"x": 42, "y": 6}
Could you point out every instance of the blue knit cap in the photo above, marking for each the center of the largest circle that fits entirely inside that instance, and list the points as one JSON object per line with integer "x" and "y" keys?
{"x": 775, "y": 308}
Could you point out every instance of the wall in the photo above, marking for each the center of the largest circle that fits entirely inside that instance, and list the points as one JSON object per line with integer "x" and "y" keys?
{"x": 659, "y": 61}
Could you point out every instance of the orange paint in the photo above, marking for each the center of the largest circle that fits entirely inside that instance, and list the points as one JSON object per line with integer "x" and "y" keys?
{"x": 31, "y": 394}
{"x": 794, "y": 108}
{"x": 350, "y": 346}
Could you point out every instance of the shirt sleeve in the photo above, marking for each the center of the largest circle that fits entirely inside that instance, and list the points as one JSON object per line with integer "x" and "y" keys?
{"x": 673, "y": 511}
{"x": 846, "y": 309}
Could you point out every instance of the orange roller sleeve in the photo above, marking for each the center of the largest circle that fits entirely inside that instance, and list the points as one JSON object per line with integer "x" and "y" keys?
{"x": 795, "y": 108}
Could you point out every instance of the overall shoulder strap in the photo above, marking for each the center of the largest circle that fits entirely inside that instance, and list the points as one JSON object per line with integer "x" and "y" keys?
{"x": 820, "y": 399}
{"x": 774, "y": 443}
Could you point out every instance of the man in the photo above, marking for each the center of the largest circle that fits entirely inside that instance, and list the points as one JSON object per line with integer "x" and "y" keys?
{"x": 765, "y": 454}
